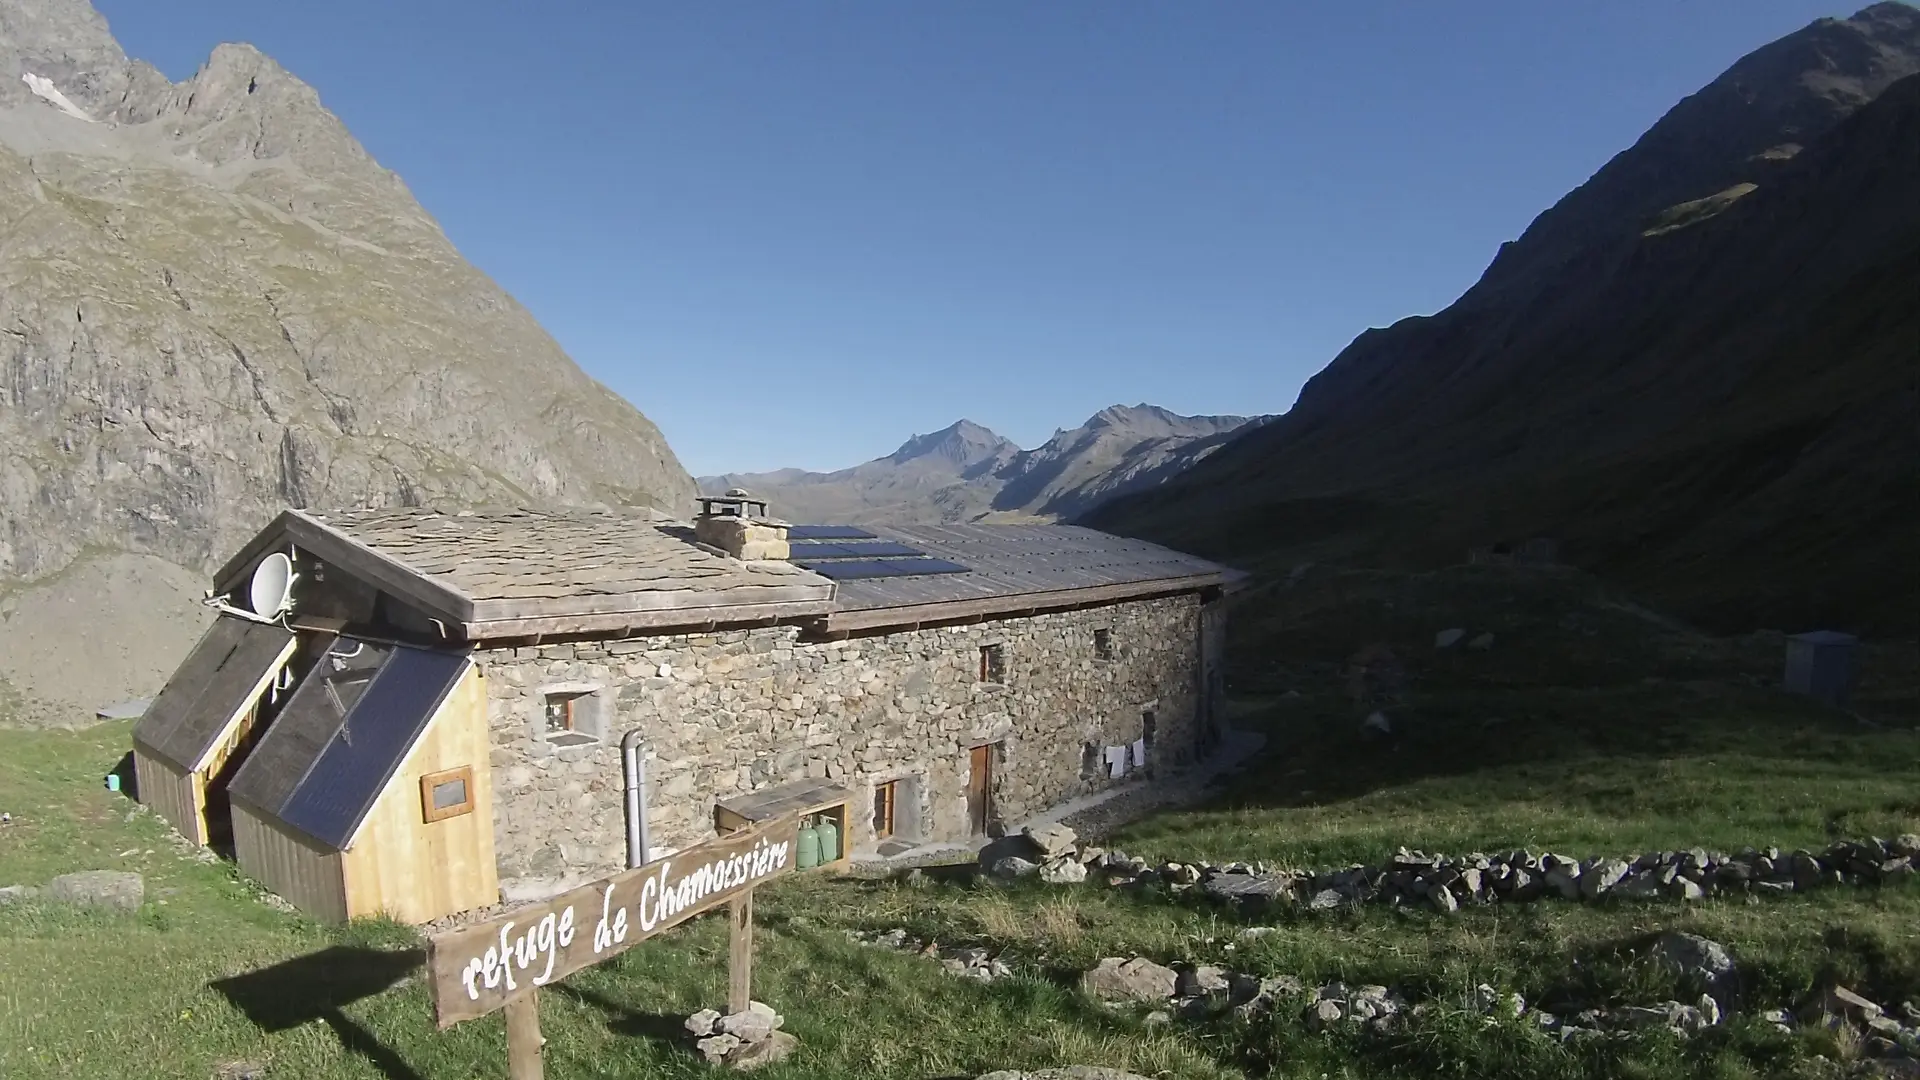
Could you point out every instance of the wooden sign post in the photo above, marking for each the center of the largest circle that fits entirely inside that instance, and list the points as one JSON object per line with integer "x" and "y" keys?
{"x": 501, "y": 963}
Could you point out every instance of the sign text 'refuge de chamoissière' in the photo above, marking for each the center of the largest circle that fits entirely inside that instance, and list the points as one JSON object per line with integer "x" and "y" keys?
{"x": 477, "y": 969}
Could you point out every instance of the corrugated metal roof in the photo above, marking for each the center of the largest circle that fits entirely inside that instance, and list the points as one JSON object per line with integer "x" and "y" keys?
{"x": 210, "y": 686}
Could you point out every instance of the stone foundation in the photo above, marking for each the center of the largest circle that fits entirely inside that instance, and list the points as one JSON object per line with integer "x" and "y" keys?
{"x": 732, "y": 712}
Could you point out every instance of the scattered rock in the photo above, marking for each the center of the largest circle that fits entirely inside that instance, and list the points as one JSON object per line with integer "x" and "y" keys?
{"x": 1601, "y": 877}
{"x": 702, "y": 1022}
{"x": 1063, "y": 871}
{"x": 240, "y": 1070}
{"x": 1447, "y": 639}
{"x": 1068, "y": 1073}
{"x": 775, "y": 1047}
{"x": 1701, "y": 960}
{"x": 116, "y": 889}
{"x": 1138, "y": 979}
{"x": 1843, "y": 1002}
{"x": 716, "y": 1047}
{"x": 1013, "y": 866}
{"x": 1481, "y": 643}
{"x": 1206, "y": 980}
{"x": 15, "y": 893}
{"x": 1051, "y": 841}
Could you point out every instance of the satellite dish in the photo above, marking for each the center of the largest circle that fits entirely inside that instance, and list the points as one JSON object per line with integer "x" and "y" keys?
{"x": 272, "y": 588}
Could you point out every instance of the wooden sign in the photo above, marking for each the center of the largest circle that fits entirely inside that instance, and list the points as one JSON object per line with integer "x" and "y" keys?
{"x": 477, "y": 969}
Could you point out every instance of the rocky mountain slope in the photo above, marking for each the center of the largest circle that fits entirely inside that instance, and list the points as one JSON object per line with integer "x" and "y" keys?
{"x": 215, "y": 304}
{"x": 1698, "y": 370}
{"x": 967, "y": 473}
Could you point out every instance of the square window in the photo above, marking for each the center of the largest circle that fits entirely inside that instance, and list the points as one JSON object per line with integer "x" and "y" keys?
{"x": 993, "y": 664}
{"x": 1103, "y": 644}
{"x": 446, "y": 794}
{"x": 885, "y": 798}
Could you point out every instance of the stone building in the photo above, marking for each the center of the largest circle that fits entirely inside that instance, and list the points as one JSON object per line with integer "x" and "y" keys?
{"x": 930, "y": 683}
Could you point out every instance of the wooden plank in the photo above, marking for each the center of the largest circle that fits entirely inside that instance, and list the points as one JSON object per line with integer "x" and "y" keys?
{"x": 377, "y": 568}
{"x": 477, "y": 969}
{"x": 495, "y": 610}
{"x": 307, "y": 876}
{"x": 169, "y": 792}
{"x": 523, "y": 1037}
{"x": 740, "y": 952}
{"x": 860, "y": 619}
{"x": 613, "y": 623}
{"x": 414, "y": 869}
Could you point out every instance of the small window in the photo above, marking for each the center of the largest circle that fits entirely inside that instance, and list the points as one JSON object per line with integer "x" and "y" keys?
{"x": 446, "y": 794}
{"x": 1103, "y": 644}
{"x": 560, "y": 712}
{"x": 885, "y": 797}
{"x": 569, "y": 719}
{"x": 1090, "y": 761}
{"x": 993, "y": 664}
{"x": 1146, "y": 728}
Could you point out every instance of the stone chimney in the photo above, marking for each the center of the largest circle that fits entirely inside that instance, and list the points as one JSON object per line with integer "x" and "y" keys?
{"x": 738, "y": 524}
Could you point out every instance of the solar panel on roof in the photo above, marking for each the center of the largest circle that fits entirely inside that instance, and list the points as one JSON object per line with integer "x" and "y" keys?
{"x": 872, "y": 549}
{"x": 851, "y": 569}
{"x": 382, "y": 722}
{"x": 827, "y": 532}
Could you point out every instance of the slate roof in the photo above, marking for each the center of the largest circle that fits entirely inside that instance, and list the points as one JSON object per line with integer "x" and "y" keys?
{"x": 516, "y": 567}
{"x": 213, "y": 683}
{"x": 343, "y": 734}
{"x": 522, "y": 573}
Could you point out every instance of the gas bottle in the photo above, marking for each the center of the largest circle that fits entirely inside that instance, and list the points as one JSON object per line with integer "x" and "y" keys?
{"x": 808, "y": 855}
{"x": 829, "y": 839}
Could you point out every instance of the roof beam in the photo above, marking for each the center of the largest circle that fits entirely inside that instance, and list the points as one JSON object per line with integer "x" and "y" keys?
{"x": 1013, "y": 603}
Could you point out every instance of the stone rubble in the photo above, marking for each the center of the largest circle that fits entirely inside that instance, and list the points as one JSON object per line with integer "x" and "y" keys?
{"x": 969, "y": 962}
{"x": 742, "y": 1040}
{"x": 1447, "y": 883}
{"x": 1197, "y": 992}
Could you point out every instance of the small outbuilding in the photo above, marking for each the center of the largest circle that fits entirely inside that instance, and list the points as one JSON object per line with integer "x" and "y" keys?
{"x": 431, "y": 719}
{"x": 1820, "y": 664}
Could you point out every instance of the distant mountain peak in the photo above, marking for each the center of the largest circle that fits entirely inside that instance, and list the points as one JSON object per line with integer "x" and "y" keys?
{"x": 963, "y": 443}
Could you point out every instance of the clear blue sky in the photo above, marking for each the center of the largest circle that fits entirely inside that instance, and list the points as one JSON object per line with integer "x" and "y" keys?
{"x": 855, "y": 221}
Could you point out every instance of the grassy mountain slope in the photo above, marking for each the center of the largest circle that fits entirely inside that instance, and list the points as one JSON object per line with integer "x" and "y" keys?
{"x": 1713, "y": 401}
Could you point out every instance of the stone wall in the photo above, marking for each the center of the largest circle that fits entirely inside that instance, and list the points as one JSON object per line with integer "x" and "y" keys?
{"x": 736, "y": 711}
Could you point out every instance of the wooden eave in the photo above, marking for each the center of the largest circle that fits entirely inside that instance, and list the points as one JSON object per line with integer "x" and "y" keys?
{"x": 337, "y": 549}
{"x": 1013, "y": 604}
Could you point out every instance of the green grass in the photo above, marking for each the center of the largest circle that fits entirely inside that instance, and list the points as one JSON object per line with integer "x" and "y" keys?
{"x": 1589, "y": 756}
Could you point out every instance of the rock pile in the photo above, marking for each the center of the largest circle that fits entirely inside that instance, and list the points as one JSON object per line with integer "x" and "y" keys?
{"x": 1197, "y": 992}
{"x": 1447, "y": 883}
{"x": 969, "y": 962}
{"x": 742, "y": 1040}
{"x": 1885, "y": 1033}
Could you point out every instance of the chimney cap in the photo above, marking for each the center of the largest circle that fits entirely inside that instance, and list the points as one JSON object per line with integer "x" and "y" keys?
{"x": 735, "y": 503}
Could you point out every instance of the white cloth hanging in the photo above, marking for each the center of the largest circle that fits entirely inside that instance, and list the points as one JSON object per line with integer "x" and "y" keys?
{"x": 1116, "y": 761}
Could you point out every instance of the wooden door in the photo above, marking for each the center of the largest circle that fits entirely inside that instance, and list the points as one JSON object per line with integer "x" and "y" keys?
{"x": 980, "y": 789}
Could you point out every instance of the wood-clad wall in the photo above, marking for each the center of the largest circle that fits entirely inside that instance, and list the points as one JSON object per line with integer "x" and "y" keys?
{"x": 303, "y": 872}
{"x": 415, "y": 870}
{"x": 175, "y": 795}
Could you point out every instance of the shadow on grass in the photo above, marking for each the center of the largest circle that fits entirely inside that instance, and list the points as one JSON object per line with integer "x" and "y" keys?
{"x": 318, "y": 986}
{"x": 129, "y": 779}
{"x": 621, "y": 1020}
